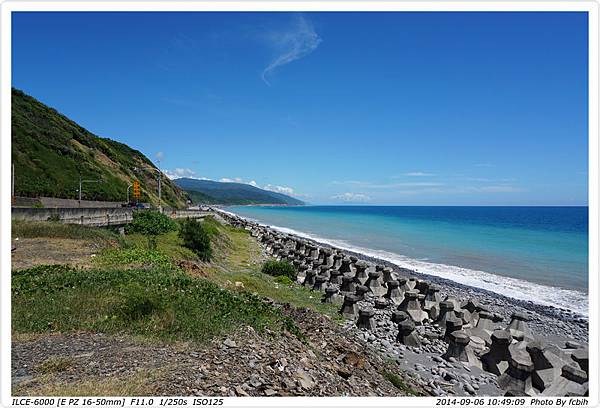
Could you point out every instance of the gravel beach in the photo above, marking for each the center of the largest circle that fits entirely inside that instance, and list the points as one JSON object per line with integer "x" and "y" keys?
{"x": 428, "y": 362}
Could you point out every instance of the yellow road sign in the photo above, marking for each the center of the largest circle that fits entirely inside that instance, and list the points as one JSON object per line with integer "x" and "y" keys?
{"x": 136, "y": 189}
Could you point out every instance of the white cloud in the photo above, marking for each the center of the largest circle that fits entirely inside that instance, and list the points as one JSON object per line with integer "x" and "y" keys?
{"x": 181, "y": 172}
{"x": 352, "y": 197}
{"x": 232, "y": 180}
{"x": 160, "y": 155}
{"x": 271, "y": 187}
{"x": 295, "y": 43}
{"x": 280, "y": 189}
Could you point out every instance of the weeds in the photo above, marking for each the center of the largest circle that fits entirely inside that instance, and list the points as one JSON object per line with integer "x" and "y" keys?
{"x": 54, "y": 365}
{"x": 158, "y": 303}
{"x": 133, "y": 256}
{"x": 397, "y": 382}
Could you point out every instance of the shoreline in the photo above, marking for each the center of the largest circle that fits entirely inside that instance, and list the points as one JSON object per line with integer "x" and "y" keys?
{"x": 552, "y": 323}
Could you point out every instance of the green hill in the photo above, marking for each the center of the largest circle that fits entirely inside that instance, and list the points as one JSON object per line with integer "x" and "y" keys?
{"x": 50, "y": 151}
{"x": 214, "y": 192}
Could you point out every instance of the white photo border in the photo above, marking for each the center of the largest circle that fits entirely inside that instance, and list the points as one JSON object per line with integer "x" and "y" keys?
{"x": 7, "y": 7}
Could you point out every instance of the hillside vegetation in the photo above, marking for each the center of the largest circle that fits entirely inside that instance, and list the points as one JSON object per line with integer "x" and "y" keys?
{"x": 50, "y": 151}
{"x": 214, "y": 192}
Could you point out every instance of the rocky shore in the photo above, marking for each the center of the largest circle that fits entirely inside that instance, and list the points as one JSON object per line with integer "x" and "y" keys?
{"x": 451, "y": 338}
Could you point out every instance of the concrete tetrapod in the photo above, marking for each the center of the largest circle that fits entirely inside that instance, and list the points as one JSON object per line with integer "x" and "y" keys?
{"x": 573, "y": 382}
{"x": 348, "y": 285}
{"x": 365, "y": 319}
{"x": 349, "y": 308}
{"x": 393, "y": 293}
{"x": 495, "y": 360}
{"x": 411, "y": 305}
{"x": 361, "y": 272}
{"x": 517, "y": 378}
{"x": 458, "y": 348}
{"x": 374, "y": 284}
{"x": 518, "y": 327}
{"x": 547, "y": 366}
{"x": 407, "y": 334}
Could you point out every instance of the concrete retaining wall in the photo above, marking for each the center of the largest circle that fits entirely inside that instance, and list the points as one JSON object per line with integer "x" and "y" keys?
{"x": 97, "y": 217}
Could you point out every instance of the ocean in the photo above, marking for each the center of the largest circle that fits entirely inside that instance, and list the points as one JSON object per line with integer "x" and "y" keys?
{"x": 538, "y": 254}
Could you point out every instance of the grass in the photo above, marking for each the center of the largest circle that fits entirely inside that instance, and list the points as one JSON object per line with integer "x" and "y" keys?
{"x": 133, "y": 257}
{"x": 137, "y": 291}
{"x": 141, "y": 383}
{"x": 45, "y": 229}
{"x": 165, "y": 304}
{"x": 54, "y": 365}
{"x": 239, "y": 259}
{"x": 397, "y": 382}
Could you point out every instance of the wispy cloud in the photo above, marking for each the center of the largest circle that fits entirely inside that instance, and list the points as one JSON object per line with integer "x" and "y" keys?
{"x": 296, "y": 42}
{"x": 483, "y": 165}
{"x": 418, "y": 174}
{"x": 372, "y": 185}
{"x": 500, "y": 189}
{"x": 352, "y": 197}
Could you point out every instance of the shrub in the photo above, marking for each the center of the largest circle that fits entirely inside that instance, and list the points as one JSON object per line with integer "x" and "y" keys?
{"x": 284, "y": 280}
{"x": 54, "y": 218}
{"x": 151, "y": 223}
{"x": 196, "y": 238}
{"x": 279, "y": 268}
{"x": 139, "y": 302}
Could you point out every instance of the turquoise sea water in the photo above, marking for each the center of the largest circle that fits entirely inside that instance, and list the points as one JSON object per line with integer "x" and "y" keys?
{"x": 530, "y": 253}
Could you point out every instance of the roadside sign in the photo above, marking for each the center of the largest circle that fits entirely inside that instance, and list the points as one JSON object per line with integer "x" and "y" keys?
{"x": 136, "y": 189}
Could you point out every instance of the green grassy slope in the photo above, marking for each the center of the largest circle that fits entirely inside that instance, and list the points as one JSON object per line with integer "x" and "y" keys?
{"x": 50, "y": 151}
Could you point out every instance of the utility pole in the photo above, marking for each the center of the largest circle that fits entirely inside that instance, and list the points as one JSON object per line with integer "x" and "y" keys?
{"x": 128, "y": 187}
{"x": 159, "y": 188}
{"x": 81, "y": 181}
{"x": 12, "y": 186}
{"x": 159, "y": 182}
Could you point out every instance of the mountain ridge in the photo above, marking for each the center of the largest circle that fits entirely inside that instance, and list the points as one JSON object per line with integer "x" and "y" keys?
{"x": 217, "y": 192}
{"x": 51, "y": 152}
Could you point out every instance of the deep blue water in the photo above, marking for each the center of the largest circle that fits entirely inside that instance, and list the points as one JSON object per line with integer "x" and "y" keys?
{"x": 532, "y": 253}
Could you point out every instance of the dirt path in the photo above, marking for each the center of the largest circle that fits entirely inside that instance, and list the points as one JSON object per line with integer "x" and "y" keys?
{"x": 44, "y": 251}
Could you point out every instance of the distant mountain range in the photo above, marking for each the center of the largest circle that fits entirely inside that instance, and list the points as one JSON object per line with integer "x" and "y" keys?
{"x": 215, "y": 192}
{"x": 50, "y": 152}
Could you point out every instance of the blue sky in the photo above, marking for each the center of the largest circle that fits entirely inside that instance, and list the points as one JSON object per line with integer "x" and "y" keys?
{"x": 370, "y": 108}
